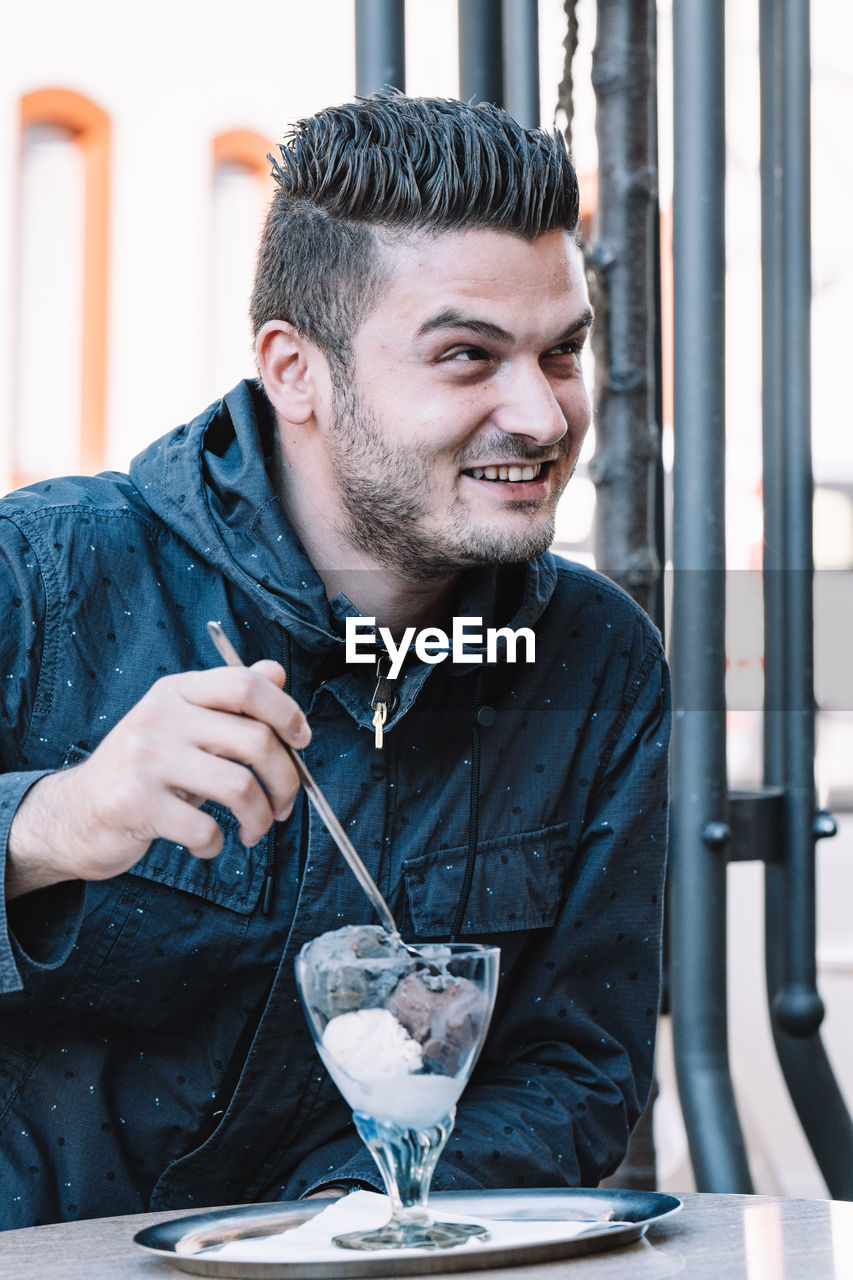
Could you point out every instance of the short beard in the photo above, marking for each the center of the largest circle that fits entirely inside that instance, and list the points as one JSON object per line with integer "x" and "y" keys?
{"x": 383, "y": 522}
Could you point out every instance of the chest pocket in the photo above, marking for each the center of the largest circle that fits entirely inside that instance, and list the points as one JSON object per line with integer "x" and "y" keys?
{"x": 516, "y": 883}
{"x": 158, "y": 940}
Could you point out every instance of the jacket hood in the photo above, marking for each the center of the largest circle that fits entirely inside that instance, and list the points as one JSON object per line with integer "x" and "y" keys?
{"x": 210, "y": 482}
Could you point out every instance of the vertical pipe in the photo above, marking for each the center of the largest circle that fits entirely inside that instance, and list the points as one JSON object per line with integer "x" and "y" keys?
{"x": 657, "y": 606}
{"x": 521, "y": 60}
{"x": 798, "y": 1006}
{"x": 480, "y": 51}
{"x": 771, "y": 393}
{"x": 789, "y": 738}
{"x": 380, "y": 45}
{"x": 699, "y": 825}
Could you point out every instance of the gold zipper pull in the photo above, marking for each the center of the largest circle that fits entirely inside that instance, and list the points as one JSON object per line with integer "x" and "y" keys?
{"x": 379, "y": 718}
{"x": 384, "y": 698}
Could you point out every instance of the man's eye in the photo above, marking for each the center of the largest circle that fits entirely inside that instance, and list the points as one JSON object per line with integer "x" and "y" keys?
{"x": 466, "y": 354}
{"x": 571, "y": 347}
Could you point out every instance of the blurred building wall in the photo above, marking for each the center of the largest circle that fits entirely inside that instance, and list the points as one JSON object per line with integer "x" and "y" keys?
{"x": 171, "y": 79}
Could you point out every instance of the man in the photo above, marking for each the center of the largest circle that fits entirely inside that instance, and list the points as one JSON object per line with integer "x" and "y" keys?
{"x": 420, "y": 311}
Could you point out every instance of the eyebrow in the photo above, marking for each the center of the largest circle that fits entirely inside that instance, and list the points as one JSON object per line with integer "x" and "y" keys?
{"x": 453, "y": 319}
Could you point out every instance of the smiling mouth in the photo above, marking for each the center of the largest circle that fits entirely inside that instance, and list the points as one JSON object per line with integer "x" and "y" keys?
{"x": 513, "y": 474}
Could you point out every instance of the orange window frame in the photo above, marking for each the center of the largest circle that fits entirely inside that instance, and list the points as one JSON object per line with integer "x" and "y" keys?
{"x": 90, "y": 129}
{"x": 245, "y": 148}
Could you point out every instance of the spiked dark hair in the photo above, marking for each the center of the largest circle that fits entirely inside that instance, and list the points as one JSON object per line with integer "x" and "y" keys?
{"x": 422, "y": 165}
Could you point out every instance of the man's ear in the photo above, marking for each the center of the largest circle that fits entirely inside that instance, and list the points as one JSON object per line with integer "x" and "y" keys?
{"x": 284, "y": 367}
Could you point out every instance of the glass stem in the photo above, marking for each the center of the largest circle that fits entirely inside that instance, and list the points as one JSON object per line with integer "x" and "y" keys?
{"x": 406, "y": 1160}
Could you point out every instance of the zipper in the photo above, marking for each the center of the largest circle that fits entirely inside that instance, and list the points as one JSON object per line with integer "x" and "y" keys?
{"x": 384, "y": 700}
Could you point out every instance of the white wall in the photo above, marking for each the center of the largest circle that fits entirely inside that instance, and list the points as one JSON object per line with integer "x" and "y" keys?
{"x": 172, "y": 74}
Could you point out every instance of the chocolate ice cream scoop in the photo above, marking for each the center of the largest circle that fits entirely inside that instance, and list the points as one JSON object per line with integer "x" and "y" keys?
{"x": 411, "y": 1004}
{"x": 445, "y": 1018}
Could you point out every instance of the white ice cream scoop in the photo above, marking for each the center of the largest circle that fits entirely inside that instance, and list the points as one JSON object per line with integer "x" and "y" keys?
{"x": 371, "y": 1040}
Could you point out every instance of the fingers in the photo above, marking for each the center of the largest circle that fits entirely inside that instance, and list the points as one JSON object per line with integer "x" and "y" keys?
{"x": 181, "y": 822}
{"x": 219, "y": 735}
{"x": 254, "y": 692}
{"x": 159, "y": 785}
{"x": 248, "y": 742}
{"x": 232, "y": 785}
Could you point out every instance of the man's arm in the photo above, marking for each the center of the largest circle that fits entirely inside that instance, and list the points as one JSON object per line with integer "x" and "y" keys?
{"x": 202, "y": 735}
{"x": 193, "y": 736}
{"x": 196, "y": 736}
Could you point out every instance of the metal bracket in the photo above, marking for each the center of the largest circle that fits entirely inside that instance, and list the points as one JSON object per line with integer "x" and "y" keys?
{"x": 758, "y": 825}
{"x": 755, "y": 831}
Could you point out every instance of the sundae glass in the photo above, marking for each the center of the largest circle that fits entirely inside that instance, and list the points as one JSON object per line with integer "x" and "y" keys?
{"x": 399, "y": 1029}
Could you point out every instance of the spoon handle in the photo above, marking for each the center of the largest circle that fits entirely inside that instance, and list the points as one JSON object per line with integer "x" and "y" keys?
{"x": 231, "y": 657}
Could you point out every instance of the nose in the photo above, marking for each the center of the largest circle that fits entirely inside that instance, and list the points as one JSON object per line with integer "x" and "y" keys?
{"x": 530, "y": 407}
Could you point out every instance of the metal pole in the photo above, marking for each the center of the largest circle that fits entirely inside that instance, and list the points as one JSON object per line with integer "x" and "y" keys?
{"x": 700, "y": 829}
{"x": 798, "y": 1007}
{"x": 771, "y": 391}
{"x": 480, "y": 51}
{"x": 521, "y": 60}
{"x": 789, "y": 737}
{"x": 380, "y": 45}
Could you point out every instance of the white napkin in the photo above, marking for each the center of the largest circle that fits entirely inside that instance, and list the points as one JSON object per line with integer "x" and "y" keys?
{"x": 364, "y": 1210}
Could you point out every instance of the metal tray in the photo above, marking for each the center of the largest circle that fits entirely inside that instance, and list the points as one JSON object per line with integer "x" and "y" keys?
{"x": 622, "y": 1217}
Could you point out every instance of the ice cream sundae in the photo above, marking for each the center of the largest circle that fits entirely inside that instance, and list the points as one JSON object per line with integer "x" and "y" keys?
{"x": 399, "y": 1029}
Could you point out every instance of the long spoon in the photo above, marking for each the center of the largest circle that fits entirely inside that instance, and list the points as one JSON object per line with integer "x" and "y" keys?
{"x": 232, "y": 658}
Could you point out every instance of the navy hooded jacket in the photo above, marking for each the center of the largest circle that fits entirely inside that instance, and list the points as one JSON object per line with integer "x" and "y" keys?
{"x": 153, "y": 1051}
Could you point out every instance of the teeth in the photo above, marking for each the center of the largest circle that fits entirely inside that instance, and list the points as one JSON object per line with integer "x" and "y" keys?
{"x": 513, "y": 473}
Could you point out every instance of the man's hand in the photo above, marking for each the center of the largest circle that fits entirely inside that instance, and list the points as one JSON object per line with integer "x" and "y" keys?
{"x": 202, "y": 735}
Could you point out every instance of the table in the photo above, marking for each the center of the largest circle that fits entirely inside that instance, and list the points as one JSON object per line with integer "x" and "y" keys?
{"x": 716, "y": 1237}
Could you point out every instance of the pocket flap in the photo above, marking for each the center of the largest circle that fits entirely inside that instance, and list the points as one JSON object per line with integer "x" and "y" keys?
{"x": 232, "y": 879}
{"x": 515, "y": 885}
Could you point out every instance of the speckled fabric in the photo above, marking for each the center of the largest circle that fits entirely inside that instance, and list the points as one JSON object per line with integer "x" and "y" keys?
{"x": 153, "y": 1052}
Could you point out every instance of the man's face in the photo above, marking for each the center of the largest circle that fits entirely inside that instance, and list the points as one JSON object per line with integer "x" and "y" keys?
{"x": 466, "y": 408}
